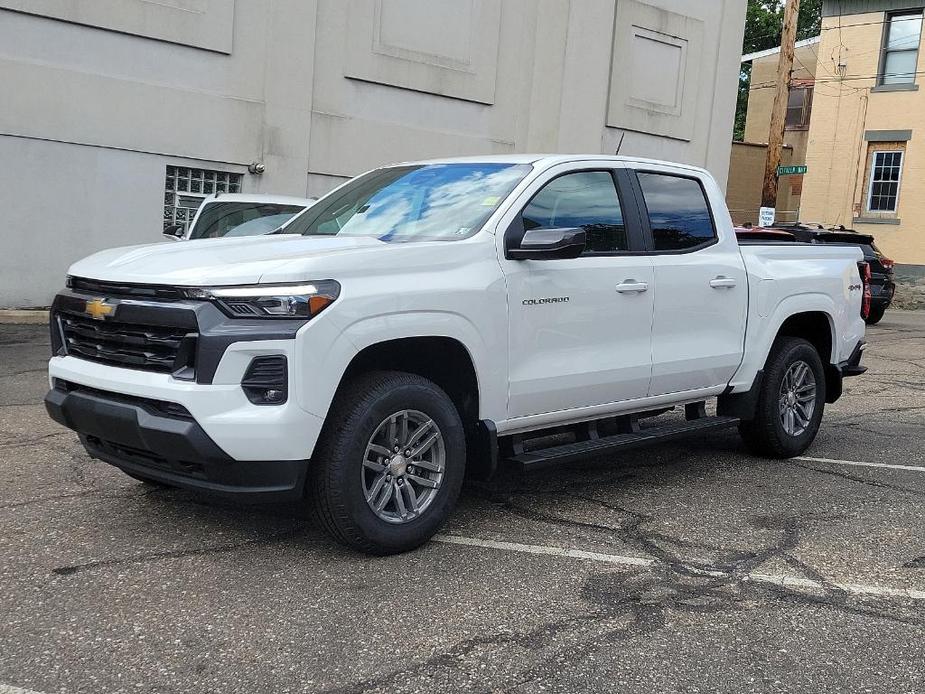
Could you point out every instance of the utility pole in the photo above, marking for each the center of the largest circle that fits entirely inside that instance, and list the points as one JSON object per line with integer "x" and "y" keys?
{"x": 779, "y": 112}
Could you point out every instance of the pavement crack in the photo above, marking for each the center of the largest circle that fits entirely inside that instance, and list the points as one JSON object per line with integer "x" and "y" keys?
{"x": 179, "y": 553}
{"x": 860, "y": 480}
{"x": 7, "y": 445}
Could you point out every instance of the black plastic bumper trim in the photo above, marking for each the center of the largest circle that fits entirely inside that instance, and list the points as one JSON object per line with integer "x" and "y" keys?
{"x": 852, "y": 366}
{"x": 173, "y": 450}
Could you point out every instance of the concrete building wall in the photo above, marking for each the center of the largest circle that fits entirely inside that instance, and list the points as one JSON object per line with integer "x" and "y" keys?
{"x": 102, "y": 95}
{"x": 845, "y": 114}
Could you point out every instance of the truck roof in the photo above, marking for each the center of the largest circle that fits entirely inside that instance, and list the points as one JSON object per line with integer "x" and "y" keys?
{"x": 546, "y": 160}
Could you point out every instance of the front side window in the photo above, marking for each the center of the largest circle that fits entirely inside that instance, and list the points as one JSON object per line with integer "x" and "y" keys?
{"x": 587, "y": 200}
{"x": 901, "y": 48}
{"x": 421, "y": 202}
{"x": 885, "y": 172}
{"x": 679, "y": 214}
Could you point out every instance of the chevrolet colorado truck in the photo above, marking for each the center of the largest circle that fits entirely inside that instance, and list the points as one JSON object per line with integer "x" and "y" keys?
{"x": 431, "y": 320}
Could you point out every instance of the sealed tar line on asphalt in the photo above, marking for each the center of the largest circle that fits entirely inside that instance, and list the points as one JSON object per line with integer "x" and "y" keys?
{"x": 835, "y": 461}
{"x": 784, "y": 581}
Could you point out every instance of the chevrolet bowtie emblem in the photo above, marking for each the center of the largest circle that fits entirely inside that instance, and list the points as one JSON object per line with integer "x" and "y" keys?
{"x": 98, "y": 309}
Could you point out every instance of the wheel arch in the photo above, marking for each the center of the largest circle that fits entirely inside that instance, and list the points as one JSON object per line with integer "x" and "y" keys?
{"x": 817, "y": 326}
{"x": 447, "y": 362}
{"x": 444, "y": 360}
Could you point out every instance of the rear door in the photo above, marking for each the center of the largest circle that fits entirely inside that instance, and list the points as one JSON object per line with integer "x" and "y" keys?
{"x": 580, "y": 329}
{"x": 701, "y": 291}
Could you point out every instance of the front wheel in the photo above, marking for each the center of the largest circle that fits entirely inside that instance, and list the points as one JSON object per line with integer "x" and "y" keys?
{"x": 390, "y": 463}
{"x": 790, "y": 402}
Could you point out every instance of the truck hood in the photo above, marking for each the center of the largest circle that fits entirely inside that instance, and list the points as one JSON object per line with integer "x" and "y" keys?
{"x": 213, "y": 261}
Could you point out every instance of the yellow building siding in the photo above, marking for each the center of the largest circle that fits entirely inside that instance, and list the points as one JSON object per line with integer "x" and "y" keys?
{"x": 747, "y": 159}
{"x": 836, "y": 186}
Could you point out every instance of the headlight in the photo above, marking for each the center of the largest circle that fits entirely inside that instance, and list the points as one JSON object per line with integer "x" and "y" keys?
{"x": 304, "y": 300}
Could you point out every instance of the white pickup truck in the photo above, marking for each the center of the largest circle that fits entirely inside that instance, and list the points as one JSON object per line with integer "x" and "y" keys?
{"x": 428, "y": 320}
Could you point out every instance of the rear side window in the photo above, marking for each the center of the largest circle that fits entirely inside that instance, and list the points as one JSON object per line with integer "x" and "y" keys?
{"x": 678, "y": 211}
{"x": 588, "y": 200}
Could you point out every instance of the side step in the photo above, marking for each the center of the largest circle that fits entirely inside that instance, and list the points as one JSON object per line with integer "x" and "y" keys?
{"x": 546, "y": 457}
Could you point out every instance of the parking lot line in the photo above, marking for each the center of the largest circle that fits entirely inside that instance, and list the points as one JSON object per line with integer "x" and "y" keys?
{"x": 541, "y": 549}
{"x": 855, "y": 463}
{"x": 782, "y": 580}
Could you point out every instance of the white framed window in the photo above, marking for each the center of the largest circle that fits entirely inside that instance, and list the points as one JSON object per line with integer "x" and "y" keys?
{"x": 901, "y": 37}
{"x": 885, "y": 176}
{"x": 185, "y": 188}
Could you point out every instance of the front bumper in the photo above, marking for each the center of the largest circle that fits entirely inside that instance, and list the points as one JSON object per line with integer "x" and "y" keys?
{"x": 242, "y": 430}
{"x": 162, "y": 441}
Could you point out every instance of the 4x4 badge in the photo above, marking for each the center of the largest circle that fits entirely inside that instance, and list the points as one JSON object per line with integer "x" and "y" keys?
{"x": 98, "y": 309}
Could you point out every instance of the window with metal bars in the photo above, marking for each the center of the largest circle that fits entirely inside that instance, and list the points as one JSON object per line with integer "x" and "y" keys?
{"x": 185, "y": 188}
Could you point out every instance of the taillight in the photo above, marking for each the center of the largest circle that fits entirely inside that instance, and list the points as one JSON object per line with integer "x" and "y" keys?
{"x": 864, "y": 271}
{"x": 887, "y": 263}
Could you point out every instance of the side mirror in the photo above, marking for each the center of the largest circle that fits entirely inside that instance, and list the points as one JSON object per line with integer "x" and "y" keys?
{"x": 549, "y": 244}
{"x": 175, "y": 232}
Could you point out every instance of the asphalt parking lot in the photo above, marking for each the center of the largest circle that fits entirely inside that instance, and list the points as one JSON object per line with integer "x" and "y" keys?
{"x": 690, "y": 567}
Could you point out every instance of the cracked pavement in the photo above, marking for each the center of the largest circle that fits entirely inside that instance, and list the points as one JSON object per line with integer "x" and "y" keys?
{"x": 108, "y": 585}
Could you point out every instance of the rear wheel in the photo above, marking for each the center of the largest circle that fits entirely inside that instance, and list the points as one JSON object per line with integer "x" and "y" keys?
{"x": 790, "y": 402}
{"x": 390, "y": 463}
{"x": 875, "y": 315}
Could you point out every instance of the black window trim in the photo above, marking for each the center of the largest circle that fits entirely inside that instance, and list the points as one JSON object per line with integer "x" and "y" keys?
{"x": 806, "y": 108}
{"x": 632, "y": 220}
{"x": 884, "y": 41}
{"x": 644, "y": 212}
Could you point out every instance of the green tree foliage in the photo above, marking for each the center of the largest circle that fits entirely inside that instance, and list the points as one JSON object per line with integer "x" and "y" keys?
{"x": 764, "y": 20}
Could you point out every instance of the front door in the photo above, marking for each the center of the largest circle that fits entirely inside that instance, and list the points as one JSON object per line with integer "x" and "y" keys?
{"x": 580, "y": 329}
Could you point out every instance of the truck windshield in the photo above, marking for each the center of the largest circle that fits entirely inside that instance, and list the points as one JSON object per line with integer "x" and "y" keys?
{"x": 241, "y": 219}
{"x": 432, "y": 202}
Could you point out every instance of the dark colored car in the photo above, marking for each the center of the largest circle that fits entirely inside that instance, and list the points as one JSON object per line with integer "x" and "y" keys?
{"x": 882, "y": 283}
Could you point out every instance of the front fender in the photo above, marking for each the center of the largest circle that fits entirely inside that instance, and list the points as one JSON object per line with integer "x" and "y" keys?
{"x": 330, "y": 350}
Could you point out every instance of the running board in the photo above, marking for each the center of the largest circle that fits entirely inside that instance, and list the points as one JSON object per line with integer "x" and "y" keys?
{"x": 547, "y": 457}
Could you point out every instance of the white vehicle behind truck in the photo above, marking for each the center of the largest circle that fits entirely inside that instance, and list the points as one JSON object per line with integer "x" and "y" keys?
{"x": 427, "y": 320}
{"x": 239, "y": 214}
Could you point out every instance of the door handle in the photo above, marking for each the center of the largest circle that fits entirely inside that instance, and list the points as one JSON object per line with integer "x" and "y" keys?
{"x": 632, "y": 287}
{"x": 721, "y": 282}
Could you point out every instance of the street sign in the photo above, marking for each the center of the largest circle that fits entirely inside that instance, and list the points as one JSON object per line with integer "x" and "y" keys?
{"x": 791, "y": 170}
{"x": 766, "y": 216}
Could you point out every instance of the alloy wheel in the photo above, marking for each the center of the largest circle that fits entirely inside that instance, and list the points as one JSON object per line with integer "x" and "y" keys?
{"x": 403, "y": 466}
{"x": 797, "y": 398}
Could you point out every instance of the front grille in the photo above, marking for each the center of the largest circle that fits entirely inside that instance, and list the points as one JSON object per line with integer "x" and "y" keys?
{"x": 164, "y": 349}
{"x": 147, "y": 291}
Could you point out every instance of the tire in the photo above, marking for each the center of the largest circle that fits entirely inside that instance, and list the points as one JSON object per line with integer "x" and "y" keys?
{"x": 767, "y": 434}
{"x": 875, "y": 315}
{"x": 340, "y": 480}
